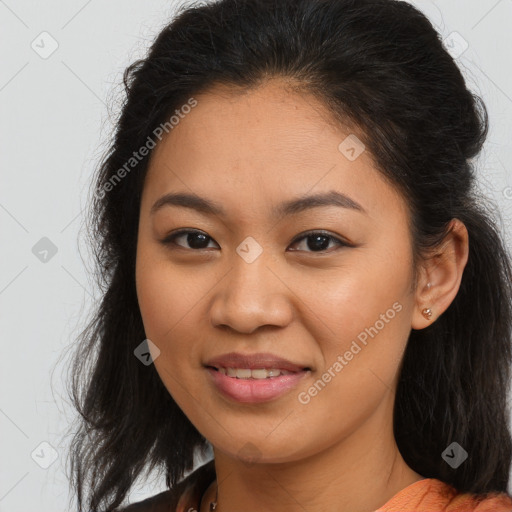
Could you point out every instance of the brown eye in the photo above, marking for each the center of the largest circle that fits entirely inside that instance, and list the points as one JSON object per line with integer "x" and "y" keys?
{"x": 318, "y": 241}
{"x": 195, "y": 239}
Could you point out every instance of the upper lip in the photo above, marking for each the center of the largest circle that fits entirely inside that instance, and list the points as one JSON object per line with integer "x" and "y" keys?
{"x": 253, "y": 361}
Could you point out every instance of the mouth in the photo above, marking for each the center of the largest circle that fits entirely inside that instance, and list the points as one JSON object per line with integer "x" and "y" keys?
{"x": 254, "y": 385}
{"x": 255, "y": 373}
{"x": 253, "y": 378}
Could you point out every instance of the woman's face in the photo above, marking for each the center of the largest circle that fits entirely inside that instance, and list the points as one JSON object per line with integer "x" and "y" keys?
{"x": 249, "y": 280}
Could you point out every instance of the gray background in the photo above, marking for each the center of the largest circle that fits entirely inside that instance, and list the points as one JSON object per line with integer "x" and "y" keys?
{"x": 57, "y": 116}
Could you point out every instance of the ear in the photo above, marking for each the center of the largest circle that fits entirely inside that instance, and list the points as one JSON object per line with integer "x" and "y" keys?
{"x": 441, "y": 275}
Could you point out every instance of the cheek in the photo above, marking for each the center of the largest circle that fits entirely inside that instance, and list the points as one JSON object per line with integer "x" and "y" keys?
{"x": 366, "y": 320}
{"x": 164, "y": 295}
{"x": 153, "y": 295}
{"x": 361, "y": 353}
{"x": 370, "y": 284}
{"x": 169, "y": 300}
{"x": 164, "y": 302}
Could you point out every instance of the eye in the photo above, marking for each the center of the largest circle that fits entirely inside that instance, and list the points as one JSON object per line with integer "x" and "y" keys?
{"x": 196, "y": 239}
{"x": 320, "y": 240}
{"x": 199, "y": 241}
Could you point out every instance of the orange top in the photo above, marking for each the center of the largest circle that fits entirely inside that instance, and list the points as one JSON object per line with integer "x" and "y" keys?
{"x": 427, "y": 495}
{"x": 432, "y": 495}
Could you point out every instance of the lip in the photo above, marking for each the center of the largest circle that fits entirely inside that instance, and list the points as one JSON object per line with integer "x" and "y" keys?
{"x": 253, "y": 361}
{"x": 255, "y": 390}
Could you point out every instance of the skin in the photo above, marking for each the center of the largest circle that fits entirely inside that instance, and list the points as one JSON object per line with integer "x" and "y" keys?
{"x": 249, "y": 152}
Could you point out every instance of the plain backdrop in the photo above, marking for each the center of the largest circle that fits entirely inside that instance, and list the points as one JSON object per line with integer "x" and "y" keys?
{"x": 60, "y": 88}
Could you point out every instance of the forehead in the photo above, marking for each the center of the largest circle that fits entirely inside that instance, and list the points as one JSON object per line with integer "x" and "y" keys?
{"x": 227, "y": 122}
{"x": 261, "y": 146}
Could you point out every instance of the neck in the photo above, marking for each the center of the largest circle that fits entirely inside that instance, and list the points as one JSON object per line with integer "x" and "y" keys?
{"x": 359, "y": 473}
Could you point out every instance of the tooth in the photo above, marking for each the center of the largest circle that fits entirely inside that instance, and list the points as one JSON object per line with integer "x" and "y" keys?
{"x": 257, "y": 373}
{"x": 260, "y": 374}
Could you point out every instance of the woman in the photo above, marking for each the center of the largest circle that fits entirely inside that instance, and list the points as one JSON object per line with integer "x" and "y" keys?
{"x": 299, "y": 272}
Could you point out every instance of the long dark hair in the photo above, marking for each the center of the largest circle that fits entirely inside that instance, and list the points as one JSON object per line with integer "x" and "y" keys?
{"x": 381, "y": 67}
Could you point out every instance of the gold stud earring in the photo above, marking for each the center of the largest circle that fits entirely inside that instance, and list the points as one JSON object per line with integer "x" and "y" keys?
{"x": 427, "y": 313}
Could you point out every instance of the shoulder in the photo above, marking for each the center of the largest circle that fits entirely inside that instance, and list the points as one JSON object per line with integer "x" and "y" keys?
{"x": 492, "y": 502}
{"x": 472, "y": 502}
{"x": 431, "y": 494}
{"x": 162, "y": 502}
{"x": 184, "y": 495}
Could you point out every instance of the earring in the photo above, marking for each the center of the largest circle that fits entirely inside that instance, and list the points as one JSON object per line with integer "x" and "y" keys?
{"x": 427, "y": 313}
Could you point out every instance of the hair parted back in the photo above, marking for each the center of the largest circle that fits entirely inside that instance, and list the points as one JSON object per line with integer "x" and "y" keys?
{"x": 379, "y": 66}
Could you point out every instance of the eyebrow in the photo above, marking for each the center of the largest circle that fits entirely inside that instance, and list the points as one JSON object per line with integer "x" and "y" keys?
{"x": 290, "y": 207}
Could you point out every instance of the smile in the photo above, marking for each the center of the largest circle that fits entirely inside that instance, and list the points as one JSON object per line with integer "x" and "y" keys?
{"x": 254, "y": 385}
{"x": 254, "y": 373}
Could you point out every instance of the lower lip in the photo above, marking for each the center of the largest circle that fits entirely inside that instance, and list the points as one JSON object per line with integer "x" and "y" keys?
{"x": 255, "y": 390}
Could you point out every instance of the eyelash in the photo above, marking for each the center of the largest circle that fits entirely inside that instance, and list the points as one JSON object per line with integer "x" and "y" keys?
{"x": 170, "y": 240}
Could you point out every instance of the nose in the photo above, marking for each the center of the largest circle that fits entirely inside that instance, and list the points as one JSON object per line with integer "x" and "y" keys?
{"x": 251, "y": 295}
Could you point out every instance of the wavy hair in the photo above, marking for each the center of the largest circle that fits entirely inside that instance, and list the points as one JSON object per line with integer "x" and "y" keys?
{"x": 381, "y": 67}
